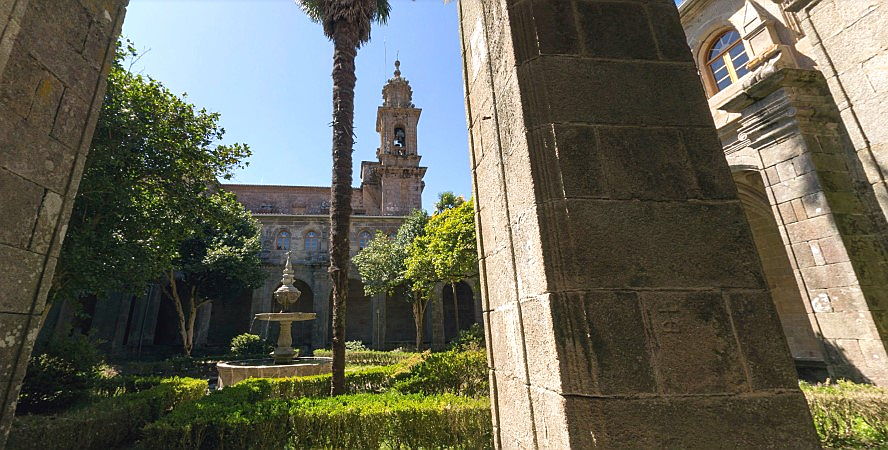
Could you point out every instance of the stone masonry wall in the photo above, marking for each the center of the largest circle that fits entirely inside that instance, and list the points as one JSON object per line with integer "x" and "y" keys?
{"x": 848, "y": 41}
{"x": 611, "y": 236}
{"x": 54, "y": 58}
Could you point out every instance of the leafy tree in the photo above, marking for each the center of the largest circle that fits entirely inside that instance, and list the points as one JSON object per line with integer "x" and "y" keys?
{"x": 220, "y": 256}
{"x": 447, "y": 200}
{"x": 347, "y": 23}
{"x": 450, "y": 246}
{"x": 148, "y": 188}
{"x": 383, "y": 268}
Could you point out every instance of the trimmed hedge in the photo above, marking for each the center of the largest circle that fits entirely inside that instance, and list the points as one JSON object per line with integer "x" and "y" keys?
{"x": 453, "y": 372}
{"x": 107, "y": 423}
{"x": 371, "y": 357}
{"x": 363, "y": 421}
{"x": 847, "y": 414}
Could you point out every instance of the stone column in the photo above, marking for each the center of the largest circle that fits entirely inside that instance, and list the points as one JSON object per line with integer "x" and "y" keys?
{"x": 624, "y": 302}
{"x": 377, "y": 308}
{"x": 435, "y": 314}
{"x": 54, "y": 58}
{"x": 322, "y": 289}
{"x": 829, "y": 218}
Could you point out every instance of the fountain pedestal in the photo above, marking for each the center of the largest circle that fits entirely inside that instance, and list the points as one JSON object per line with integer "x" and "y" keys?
{"x": 284, "y": 353}
{"x": 285, "y": 362}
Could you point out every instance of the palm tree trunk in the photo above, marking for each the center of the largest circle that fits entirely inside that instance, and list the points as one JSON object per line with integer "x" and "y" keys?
{"x": 344, "y": 51}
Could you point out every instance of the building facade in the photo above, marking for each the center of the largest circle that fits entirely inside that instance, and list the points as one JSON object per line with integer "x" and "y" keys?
{"x": 795, "y": 88}
{"x": 296, "y": 219}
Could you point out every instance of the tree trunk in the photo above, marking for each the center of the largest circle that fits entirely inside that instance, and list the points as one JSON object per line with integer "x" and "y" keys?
{"x": 455, "y": 307}
{"x": 180, "y": 312}
{"x": 344, "y": 51}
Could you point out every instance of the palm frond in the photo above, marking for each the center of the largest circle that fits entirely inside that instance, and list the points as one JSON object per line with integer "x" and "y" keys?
{"x": 383, "y": 9}
{"x": 314, "y": 9}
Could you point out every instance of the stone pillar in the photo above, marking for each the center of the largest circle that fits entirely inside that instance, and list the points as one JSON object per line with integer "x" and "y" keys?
{"x": 435, "y": 314}
{"x": 202, "y": 325}
{"x": 144, "y": 321}
{"x": 322, "y": 289}
{"x": 829, "y": 218}
{"x": 54, "y": 58}
{"x": 377, "y": 308}
{"x": 624, "y": 302}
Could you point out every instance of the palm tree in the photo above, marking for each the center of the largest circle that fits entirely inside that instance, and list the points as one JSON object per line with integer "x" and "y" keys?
{"x": 347, "y": 24}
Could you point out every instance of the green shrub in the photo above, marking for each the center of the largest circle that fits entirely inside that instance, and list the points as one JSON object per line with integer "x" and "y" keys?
{"x": 470, "y": 339}
{"x": 249, "y": 344}
{"x": 371, "y": 357}
{"x": 108, "y": 423}
{"x": 847, "y": 414}
{"x": 355, "y": 346}
{"x": 364, "y": 421}
{"x": 62, "y": 375}
{"x": 461, "y": 373}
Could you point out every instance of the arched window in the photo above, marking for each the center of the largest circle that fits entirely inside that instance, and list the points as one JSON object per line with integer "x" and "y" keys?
{"x": 727, "y": 59}
{"x": 312, "y": 242}
{"x": 364, "y": 239}
{"x": 400, "y": 137}
{"x": 282, "y": 242}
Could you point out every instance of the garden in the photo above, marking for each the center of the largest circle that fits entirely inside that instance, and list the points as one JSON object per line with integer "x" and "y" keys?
{"x": 395, "y": 399}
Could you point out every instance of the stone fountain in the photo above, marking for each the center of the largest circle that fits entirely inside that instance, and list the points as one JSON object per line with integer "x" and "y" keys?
{"x": 285, "y": 362}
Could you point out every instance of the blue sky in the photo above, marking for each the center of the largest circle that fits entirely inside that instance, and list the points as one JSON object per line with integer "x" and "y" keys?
{"x": 266, "y": 69}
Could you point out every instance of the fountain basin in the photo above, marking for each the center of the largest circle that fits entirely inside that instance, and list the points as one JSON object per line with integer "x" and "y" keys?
{"x": 285, "y": 316}
{"x": 231, "y": 372}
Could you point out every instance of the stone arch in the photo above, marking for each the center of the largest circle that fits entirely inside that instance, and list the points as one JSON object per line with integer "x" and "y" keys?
{"x": 358, "y": 315}
{"x": 465, "y": 307}
{"x": 786, "y": 293}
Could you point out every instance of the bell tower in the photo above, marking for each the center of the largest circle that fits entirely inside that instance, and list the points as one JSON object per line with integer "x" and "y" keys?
{"x": 397, "y": 171}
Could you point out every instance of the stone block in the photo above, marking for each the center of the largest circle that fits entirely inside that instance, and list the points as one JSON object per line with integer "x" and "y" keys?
{"x": 847, "y": 325}
{"x": 544, "y": 362}
{"x": 579, "y": 161}
{"x": 550, "y": 421}
{"x": 657, "y": 244}
{"x": 873, "y": 351}
{"x": 507, "y": 341}
{"x": 645, "y": 164}
{"x": 516, "y": 413}
{"x": 501, "y": 279}
{"x": 49, "y": 162}
{"x": 543, "y": 27}
{"x": 20, "y": 280}
{"x": 602, "y": 24}
{"x": 797, "y": 187}
{"x": 20, "y": 210}
{"x": 811, "y": 229}
{"x": 595, "y": 355}
{"x": 17, "y": 335}
{"x": 713, "y": 363}
{"x": 70, "y": 121}
{"x": 708, "y": 164}
{"x": 831, "y": 275}
{"x": 590, "y": 91}
{"x": 671, "y": 43}
{"x": 787, "y": 213}
{"x": 766, "y": 357}
{"x": 45, "y": 103}
{"x": 47, "y": 219}
{"x": 733, "y": 421}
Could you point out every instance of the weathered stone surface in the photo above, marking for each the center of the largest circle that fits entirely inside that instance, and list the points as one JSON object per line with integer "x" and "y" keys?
{"x": 49, "y": 99}
{"x": 763, "y": 421}
{"x": 611, "y": 235}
